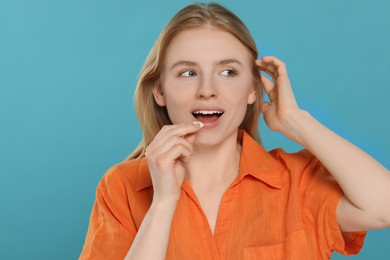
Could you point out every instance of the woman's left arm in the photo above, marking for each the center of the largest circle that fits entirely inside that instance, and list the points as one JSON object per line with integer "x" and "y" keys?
{"x": 364, "y": 181}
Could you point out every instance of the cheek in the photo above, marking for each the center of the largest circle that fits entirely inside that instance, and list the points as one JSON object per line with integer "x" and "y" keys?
{"x": 177, "y": 103}
{"x": 173, "y": 92}
{"x": 178, "y": 96}
{"x": 242, "y": 93}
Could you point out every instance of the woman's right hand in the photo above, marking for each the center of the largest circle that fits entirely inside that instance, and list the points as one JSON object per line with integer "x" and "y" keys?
{"x": 167, "y": 155}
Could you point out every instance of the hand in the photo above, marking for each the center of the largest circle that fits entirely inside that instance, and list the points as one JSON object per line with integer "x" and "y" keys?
{"x": 167, "y": 155}
{"x": 282, "y": 103}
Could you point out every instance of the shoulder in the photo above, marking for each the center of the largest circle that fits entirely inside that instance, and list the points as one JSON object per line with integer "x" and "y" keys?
{"x": 294, "y": 161}
{"x": 303, "y": 167}
{"x": 127, "y": 173}
{"x": 308, "y": 173}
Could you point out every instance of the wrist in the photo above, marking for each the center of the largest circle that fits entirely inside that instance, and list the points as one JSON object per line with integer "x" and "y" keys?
{"x": 295, "y": 124}
{"x": 163, "y": 205}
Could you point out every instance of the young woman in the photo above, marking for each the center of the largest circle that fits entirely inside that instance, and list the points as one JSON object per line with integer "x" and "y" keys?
{"x": 200, "y": 186}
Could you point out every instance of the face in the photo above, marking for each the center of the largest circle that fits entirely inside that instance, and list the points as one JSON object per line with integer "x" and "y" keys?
{"x": 207, "y": 77}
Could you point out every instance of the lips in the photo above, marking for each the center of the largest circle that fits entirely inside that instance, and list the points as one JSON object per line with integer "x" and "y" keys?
{"x": 208, "y": 116}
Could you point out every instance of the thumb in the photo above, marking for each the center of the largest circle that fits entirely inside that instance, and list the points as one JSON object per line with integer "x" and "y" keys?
{"x": 264, "y": 107}
{"x": 191, "y": 136}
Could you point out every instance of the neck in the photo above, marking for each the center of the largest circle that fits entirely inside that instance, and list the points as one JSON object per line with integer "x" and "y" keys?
{"x": 214, "y": 165}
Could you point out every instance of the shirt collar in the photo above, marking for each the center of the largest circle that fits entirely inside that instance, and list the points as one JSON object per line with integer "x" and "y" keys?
{"x": 255, "y": 161}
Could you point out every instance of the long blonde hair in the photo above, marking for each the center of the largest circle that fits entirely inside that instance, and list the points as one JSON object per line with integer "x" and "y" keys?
{"x": 153, "y": 117}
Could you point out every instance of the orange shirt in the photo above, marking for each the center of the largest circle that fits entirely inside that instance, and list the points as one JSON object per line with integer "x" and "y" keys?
{"x": 281, "y": 206}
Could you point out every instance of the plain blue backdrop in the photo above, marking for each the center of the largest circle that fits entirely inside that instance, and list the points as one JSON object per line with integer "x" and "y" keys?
{"x": 68, "y": 70}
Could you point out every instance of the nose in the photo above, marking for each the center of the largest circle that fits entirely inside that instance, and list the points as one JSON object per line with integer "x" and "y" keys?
{"x": 207, "y": 88}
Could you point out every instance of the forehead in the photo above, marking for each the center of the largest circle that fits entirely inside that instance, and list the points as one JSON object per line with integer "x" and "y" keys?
{"x": 206, "y": 44}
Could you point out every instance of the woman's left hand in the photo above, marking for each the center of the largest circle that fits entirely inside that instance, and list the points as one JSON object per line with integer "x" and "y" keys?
{"x": 282, "y": 105}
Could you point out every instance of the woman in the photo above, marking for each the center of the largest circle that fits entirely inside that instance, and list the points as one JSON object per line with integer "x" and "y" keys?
{"x": 200, "y": 186}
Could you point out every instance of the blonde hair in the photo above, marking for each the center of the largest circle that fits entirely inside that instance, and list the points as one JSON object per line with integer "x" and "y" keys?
{"x": 153, "y": 117}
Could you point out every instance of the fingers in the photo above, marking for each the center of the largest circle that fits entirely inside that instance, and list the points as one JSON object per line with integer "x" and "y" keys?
{"x": 166, "y": 156}
{"x": 272, "y": 66}
{"x": 181, "y": 148}
{"x": 172, "y": 140}
{"x": 277, "y": 70}
{"x": 266, "y": 83}
{"x": 176, "y": 151}
{"x": 180, "y": 130}
{"x": 264, "y": 107}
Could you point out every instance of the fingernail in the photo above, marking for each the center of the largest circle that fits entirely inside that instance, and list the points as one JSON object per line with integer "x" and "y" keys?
{"x": 198, "y": 123}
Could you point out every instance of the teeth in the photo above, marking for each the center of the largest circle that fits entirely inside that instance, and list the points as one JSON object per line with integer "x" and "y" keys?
{"x": 207, "y": 112}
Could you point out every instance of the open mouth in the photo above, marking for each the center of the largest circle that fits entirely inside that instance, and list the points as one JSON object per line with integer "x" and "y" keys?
{"x": 207, "y": 116}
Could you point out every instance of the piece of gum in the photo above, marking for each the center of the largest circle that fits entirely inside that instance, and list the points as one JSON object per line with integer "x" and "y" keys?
{"x": 198, "y": 123}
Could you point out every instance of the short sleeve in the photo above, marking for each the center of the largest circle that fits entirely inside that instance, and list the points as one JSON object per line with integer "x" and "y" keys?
{"x": 111, "y": 229}
{"x": 320, "y": 195}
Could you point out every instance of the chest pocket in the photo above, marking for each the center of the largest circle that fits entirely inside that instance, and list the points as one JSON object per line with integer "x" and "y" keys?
{"x": 293, "y": 248}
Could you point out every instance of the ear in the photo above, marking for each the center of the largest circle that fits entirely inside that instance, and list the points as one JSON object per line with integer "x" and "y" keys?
{"x": 158, "y": 95}
{"x": 252, "y": 97}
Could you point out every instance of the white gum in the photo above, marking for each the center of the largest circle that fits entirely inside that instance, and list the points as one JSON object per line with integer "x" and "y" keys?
{"x": 198, "y": 123}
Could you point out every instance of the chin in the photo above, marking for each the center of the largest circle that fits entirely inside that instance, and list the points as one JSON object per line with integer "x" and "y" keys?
{"x": 206, "y": 138}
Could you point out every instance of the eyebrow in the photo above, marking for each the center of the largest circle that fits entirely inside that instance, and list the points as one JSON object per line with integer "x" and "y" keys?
{"x": 192, "y": 63}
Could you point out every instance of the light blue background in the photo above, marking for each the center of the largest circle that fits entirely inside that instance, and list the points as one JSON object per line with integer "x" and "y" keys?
{"x": 68, "y": 70}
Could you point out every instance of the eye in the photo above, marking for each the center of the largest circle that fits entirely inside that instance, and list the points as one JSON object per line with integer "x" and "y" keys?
{"x": 229, "y": 72}
{"x": 188, "y": 74}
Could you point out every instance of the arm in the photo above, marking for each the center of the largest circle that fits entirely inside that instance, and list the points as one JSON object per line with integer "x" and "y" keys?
{"x": 364, "y": 181}
{"x": 151, "y": 241}
{"x": 166, "y": 156}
